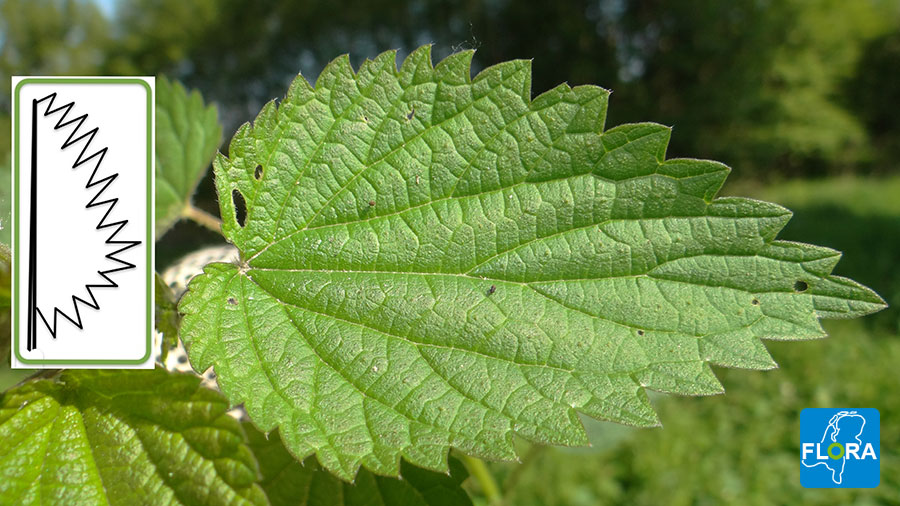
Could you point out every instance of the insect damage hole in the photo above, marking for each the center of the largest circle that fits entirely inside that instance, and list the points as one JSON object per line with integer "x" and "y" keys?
{"x": 800, "y": 286}
{"x": 258, "y": 173}
{"x": 240, "y": 206}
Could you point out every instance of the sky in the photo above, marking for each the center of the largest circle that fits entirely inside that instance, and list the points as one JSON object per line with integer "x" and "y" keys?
{"x": 107, "y": 6}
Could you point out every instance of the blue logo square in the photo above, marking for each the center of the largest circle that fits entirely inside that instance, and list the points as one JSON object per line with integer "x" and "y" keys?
{"x": 840, "y": 448}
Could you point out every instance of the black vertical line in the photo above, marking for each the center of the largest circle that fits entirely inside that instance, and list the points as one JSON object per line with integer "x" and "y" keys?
{"x": 32, "y": 238}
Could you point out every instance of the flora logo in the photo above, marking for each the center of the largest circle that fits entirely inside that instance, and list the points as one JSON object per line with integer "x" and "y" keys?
{"x": 840, "y": 448}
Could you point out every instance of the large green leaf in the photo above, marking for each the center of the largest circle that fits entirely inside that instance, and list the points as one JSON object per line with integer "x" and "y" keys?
{"x": 432, "y": 261}
{"x": 187, "y": 135}
{"x": 122, "y": 437}
{"x": 288, "y": 482}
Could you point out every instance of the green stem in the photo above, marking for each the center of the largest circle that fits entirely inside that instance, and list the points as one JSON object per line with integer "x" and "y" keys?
{"x": 203, "y": 218}
{"x": 533, "y": 454}
{"x": 478, "y": 469}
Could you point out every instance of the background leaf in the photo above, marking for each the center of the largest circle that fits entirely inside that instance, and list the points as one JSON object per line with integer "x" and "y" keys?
{"x": 5, "y": 198}
{"x": 187, "y": 135}
{"x": 288, "y": 482}
{"x": 432, "y": 261}
{"x": 166, "y": 315}
{"x": 122, "y": 437}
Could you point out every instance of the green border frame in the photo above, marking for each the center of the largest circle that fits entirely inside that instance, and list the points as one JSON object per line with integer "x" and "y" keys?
{"x": 149, "y": 238}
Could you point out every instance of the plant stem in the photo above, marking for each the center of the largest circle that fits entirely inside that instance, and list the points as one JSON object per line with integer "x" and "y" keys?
{"x": 203, "y": 218}
{"x": 485, "y": 479}
{"x": 533, "y": 454}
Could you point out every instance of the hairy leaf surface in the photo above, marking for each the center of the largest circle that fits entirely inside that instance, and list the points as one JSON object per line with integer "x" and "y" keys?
{"x": 187, "y": 135}
{"x": 122, "y": 437}
{"x": 430, "y": 261}
{"x": 288, "y": 482}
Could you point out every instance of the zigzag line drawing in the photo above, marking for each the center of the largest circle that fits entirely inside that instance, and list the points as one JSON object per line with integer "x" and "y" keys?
{"x": 75, "y": 137}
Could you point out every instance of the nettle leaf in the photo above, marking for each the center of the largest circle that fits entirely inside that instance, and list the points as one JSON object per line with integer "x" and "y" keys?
{"x": 432, "y": 261}
{"x": 122, "y": 437}
{"x": 187, "y": 135}
{"x": 288, "y": 482}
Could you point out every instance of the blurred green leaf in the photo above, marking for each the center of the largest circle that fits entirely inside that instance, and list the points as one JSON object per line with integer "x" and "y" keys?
{"x": 187, "y": 135}
{"x": 122, "y": 437}
{"x": 5, "y": 290}
{"x": 5, "y": 199}
{"x": 288, "y": 482}
{"x": 166, "y": 314}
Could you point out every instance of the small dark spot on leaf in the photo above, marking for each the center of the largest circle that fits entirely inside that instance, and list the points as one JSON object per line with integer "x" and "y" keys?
{"x": 412, "y": 113}
{"x": 640, "y": 332}
{"x": 240, "y": 206}
{"x": 755, "y": 302}
{"x": 371, "y": 203}
{"x": 232, "y": 301}
{"x": 258, "y": 172}
{"x": 491, "y": 290}
{"x": 365, "y": 118}
{"x": 800, "y": 286}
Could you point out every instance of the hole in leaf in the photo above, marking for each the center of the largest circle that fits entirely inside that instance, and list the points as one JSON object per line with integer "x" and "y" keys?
{"x": 240, "y": 206}
{"x": 800, "y": 286}
{"x": 258, "y": 172}
{"x": 755, "y": 302}
{"x": 640, "y": 332}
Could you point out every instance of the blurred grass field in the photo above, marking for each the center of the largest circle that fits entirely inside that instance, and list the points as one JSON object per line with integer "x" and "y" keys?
{"x": 741, "y": 448}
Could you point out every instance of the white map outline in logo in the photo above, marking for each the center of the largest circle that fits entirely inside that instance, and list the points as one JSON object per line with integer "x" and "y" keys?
{"x": 833, "y": 424}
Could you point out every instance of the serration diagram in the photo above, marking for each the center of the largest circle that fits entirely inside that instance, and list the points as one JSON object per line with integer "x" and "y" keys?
{"x": 85, "y": 137}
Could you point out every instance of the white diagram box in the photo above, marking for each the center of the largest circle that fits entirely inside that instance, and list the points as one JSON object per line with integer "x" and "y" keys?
{"x": 82, "y": 234}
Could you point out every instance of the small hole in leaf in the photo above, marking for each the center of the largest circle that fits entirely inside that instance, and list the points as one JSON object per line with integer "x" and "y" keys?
{"x": 640, "y": 332}
{"x": 240, "y": 206}
{"x": 800, "y": 286}
{"x": 258, "y": 173}
{"x": 232, "y": 301}
{"x": 755, "y": 302}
